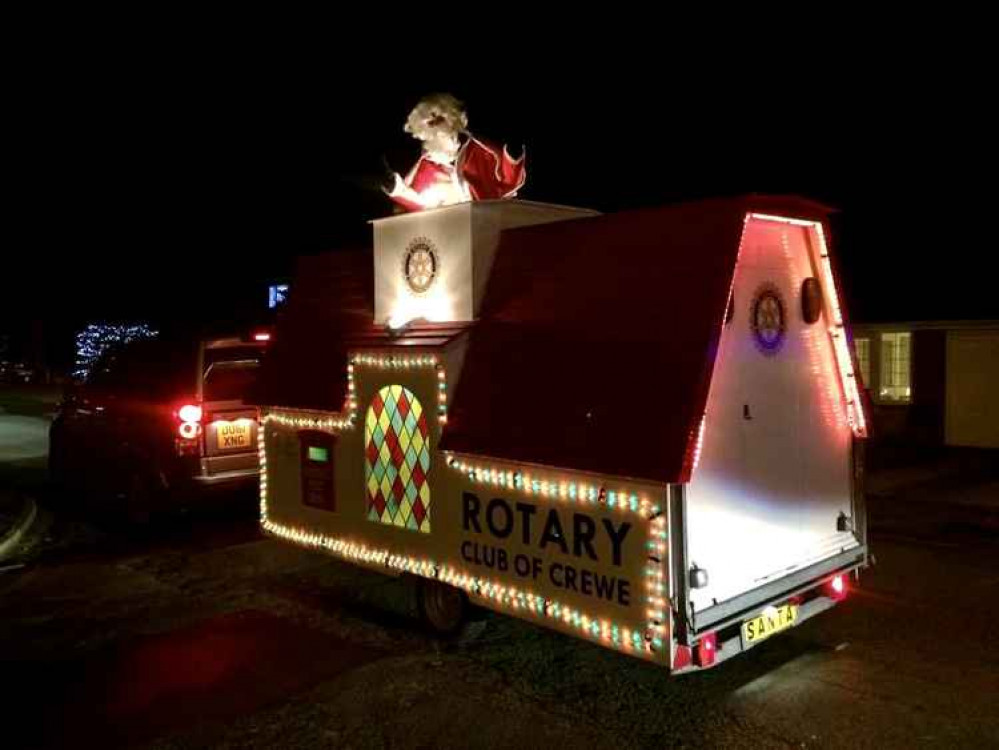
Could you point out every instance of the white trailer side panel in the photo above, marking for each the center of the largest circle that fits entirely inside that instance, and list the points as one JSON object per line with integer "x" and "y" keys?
{"x": 774, "y": 471}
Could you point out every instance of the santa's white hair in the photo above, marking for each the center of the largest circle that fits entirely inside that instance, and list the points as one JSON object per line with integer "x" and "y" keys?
{"x": 438, "y": 120}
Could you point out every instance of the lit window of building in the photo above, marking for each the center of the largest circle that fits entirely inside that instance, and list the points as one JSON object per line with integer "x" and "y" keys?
{"x": 862, "y": 348}
{"x": 896, "y": 367}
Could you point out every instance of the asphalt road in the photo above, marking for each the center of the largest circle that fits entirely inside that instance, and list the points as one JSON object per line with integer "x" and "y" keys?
{"x": 220, "y": 638}
{"x": 199, "y": 633}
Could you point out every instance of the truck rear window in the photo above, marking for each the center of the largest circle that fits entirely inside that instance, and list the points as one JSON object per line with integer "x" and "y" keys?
{"x": 230, "y": 380}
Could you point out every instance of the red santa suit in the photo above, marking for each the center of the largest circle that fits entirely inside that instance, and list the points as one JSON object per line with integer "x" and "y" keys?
{"x": 480, "y": 171}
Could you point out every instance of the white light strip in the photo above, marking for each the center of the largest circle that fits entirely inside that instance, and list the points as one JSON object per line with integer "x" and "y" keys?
{"x": 785, "y": 220}
{"x": 837, "y": 331}
{"x": 699, "y": 445}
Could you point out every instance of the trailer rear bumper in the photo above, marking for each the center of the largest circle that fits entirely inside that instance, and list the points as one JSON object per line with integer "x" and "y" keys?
{"x": 752, "y": 602}
{"x": 807, "y": 588}
{"x": 733, "y": 645}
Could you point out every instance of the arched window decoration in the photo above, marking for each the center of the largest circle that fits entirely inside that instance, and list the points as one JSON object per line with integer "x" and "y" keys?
{"x": 811, "y": 299}
{"x": 397, "y": 460}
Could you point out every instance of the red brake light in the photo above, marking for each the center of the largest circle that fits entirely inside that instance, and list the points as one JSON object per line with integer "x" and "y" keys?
{"x": 189, "y": 413}
{"x": 704, "y": 652}
{"x": 261, "y": 337}
{"x": 837, "y": 587}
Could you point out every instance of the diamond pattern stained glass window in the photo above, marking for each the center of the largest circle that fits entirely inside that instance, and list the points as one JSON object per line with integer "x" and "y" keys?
{"x": 397, "y": 460}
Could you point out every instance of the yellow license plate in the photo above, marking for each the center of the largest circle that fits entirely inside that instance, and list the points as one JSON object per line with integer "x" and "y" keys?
{"x": 772, "y": 620}
{"x": 234, "y": 435}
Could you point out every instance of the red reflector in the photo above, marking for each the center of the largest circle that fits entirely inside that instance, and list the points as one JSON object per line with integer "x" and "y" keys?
{"x": 704, "y": 653}
{"x": 683, "y": 657}
{"x": 189, "y": 413}
{"x": 261, "y": 337}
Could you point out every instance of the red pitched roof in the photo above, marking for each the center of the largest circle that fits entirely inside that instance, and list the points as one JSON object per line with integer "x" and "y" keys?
{"x": 598, "y": 336}
{"x": 594, "y": 347}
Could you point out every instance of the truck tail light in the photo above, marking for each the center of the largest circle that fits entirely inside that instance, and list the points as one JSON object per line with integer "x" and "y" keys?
{"x": 837, "y": 587}
{"x": 704, "y": 652}
{"x": 262, "y": 336}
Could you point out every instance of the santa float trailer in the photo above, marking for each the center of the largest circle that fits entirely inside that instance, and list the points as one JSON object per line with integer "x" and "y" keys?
{"x": 643, "y": 429}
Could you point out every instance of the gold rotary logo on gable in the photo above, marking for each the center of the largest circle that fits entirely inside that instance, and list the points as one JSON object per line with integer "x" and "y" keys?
{"x": 768, "y": 320}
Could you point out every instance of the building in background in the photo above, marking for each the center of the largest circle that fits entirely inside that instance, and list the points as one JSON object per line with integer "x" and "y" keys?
{"x": 934, "y": 382}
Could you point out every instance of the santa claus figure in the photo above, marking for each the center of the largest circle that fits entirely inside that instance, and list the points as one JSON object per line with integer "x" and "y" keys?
{"x": 455, "y": 166}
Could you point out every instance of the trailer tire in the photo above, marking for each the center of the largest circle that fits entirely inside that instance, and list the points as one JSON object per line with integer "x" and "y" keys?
{"x": 443, "y": 608}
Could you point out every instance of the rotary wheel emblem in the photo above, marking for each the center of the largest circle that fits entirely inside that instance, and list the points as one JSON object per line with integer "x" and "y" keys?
{"x": 768, "y": 320}
{"x": 420, "y": 265}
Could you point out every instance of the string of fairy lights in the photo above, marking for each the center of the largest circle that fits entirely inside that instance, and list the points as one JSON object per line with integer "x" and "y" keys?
{"x": 97, "y": 338}
{"x": 546, "y": 486}
{"x": 583, "y": 493}
{"x": 837, "y": 329}
{"x": 648, "y": 642}
{"x": 321, "y": 420}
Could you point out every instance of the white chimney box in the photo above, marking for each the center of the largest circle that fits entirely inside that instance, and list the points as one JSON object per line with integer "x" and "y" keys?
{"x": 434, "y": 264}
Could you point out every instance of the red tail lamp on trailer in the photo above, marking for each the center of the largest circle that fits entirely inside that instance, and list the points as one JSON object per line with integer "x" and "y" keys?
{"x": 704, "y": 652}
{"x": 836, "y": 587}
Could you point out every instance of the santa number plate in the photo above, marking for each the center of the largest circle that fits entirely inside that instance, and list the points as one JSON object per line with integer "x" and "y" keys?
{"x": 771, "y": 620}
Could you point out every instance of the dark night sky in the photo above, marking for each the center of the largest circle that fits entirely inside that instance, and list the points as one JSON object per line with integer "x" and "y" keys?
{"x": 162, "y": 190}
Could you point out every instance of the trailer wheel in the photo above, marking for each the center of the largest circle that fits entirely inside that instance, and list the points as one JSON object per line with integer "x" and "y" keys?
{"x": 442, "y": 608}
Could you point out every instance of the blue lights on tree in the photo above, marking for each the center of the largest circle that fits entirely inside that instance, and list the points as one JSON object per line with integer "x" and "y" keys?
{"x": 97, "y": 338}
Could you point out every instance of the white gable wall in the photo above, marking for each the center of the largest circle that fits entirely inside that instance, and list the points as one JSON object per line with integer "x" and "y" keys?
{"x": 774, "y": 471}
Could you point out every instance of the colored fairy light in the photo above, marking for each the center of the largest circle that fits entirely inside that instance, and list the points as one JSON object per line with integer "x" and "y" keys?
{"x": 549, "y": 487}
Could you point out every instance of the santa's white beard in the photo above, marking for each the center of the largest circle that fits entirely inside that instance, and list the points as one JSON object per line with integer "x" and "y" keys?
{"x": 441, "y": 146}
